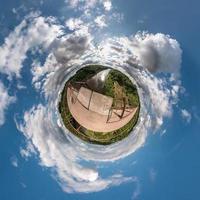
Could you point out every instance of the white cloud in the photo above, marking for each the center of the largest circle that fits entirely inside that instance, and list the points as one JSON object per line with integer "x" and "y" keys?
{"x": 39, "y": 71}
{"x": 72, "y": 3}
{"x": 158, "y": 53}
{"x": 28, "y": 151}
{"x": 100, "y": 21}
{"x": 186, "y": 115}
{"x": 20, "y": 86}
{"x": 72, "y": 46}
{"x": 90, "y": 3}
{"x": 86, "y": 5}
{"x": 41, "y": 31}
{"x": 118, "y": 17}
{"x": 52, "y": 150}
{"x": 14, "y": 161}
{"x": 159, "y": 97}
{"x": 5, "y": 101}
{"x": 94, "y": 14}
{"x": 74, "y": 23}
{"x": 107, "y": 5}
{"x": 80, "y": 4}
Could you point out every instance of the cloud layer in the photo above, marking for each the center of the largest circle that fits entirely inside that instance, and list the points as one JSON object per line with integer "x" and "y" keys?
{"x": 32, "y": 32}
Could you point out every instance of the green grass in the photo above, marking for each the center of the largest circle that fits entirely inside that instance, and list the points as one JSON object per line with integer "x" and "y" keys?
{"x": 101, "y": 138}
{"x": 130, "y": 90}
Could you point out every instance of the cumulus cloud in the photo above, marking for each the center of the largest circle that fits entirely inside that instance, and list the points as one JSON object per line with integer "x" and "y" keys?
{"x": 72, "y": 46}
{"x": 72, "y": 3}
{"x": 79, "y": 4}
{"x": 31, "y": 32}
{"x": 74, "y": 23}
{"x": 159, "y": 96}
{"x": 5, "y": 101}
{"x": 107, "y": 5}
{"x": 89, "y": 4}
{"x": 158, "y": 53}
{"x": 100, "y": 21}
{"x": 186, "y": 115}
{"x": 95, "y": 14}
{"x": 39, "y": 71}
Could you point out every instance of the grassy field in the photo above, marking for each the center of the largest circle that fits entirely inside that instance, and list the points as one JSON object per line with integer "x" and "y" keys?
{"x": 101, "y": 138}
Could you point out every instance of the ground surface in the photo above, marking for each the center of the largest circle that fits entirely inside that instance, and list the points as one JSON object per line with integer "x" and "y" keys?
{"x": 100, "y": 115}
{"x": 94, "y": 117}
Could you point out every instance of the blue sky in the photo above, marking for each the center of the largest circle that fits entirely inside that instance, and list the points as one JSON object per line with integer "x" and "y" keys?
{"x": 167, "y": 166}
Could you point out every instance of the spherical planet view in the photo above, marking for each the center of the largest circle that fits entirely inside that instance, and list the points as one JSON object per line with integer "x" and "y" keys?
{"x": 99, "y": 100}
{"x": 99, "y": 105}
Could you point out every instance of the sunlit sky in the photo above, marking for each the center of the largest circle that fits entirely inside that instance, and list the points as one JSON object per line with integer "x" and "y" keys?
{"x": 165, "y": 167}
